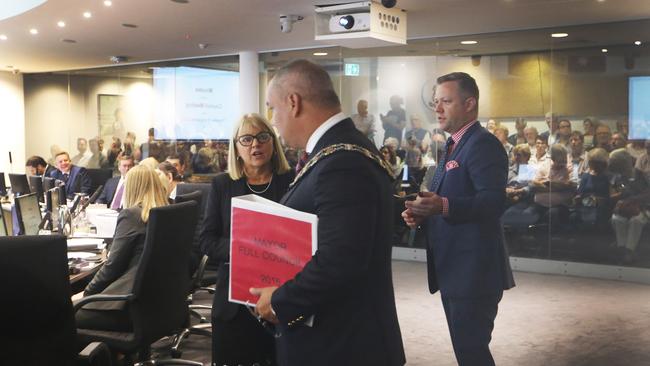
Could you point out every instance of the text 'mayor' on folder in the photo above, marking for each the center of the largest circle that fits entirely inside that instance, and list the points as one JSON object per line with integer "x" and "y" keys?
{"x": 269, "y": 244}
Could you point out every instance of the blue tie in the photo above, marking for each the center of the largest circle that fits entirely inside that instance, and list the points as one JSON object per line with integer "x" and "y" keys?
{"x": 441, "y": 166}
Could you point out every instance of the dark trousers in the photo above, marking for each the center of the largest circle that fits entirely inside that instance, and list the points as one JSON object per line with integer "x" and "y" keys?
{"x": 470, "y": 324}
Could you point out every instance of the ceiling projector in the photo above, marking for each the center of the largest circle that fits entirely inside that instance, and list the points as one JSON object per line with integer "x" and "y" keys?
{"x": 350, "y": 22}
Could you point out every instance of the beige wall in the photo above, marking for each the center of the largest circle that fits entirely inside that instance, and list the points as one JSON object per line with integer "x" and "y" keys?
{"x": 12, "y": 123}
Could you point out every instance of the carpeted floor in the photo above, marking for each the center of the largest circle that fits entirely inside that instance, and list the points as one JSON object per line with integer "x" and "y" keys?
{"x": 545, "y": 320}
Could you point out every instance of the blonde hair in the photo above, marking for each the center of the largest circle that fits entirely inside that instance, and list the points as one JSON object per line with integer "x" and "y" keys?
{"x": 144, "y": 189}
{"x": 279, "y": 162}
{"x": 150, "y": 163}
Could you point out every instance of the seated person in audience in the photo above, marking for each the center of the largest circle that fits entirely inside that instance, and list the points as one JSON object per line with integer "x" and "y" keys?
{"x": 491, "y": 125}
{"x": 629, "y": 218}
{"x": 391, "y": 158}
{"x": 518, "y": 137}
{"x": 622, "y": 127}
{"x": 75, "y": 178}
{"x": 636, "y": 148}
{"x": 113, "y": 193}
{"x": 114, "y": 153}
{"x": 577, "y": 156}
{"x": 417, "y": 133}
{"x": 642, "y": 165}
{"x": 172, "y": 177}
{"x": 82, "y": 158}
{"x": 36, "y": 165}
{"x": 501, "y": 133}
{"x": 363, "y": 121}
{"x": 97, "y": 160}
{"x": 552, "y": 186}
{"x": 540, "y": 157}
{"x": 620, "y": 160}
{"x": 203, "y": 162}
{"x": 553, "y": 125}
{"x": 521, "y": 211}
{"x": 117, "y": 275}
{"x": 564, "y": 133}
{"x": 595, "y": 190}
{"x": 603, "y": 137}
{"x": 393, "y": 144}
{"x": 589, "y": 130}
{"x": 395, "y": 119}
{"x": 531, "y": 137}
{"x": 179, "y": 161}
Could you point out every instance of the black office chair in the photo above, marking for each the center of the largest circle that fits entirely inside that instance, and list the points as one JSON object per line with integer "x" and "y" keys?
{"x": 204, "y": 328}
{"x": 38, "y": 326}
{"x": 158, "y": 302}
{"x": 98, "y": 177}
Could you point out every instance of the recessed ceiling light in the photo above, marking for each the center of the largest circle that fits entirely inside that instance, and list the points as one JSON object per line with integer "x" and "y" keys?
{"x": 320, "y": 53}
{"x": 600, "y": 1}
{"x": 129, "y": 25}
{"x": 559, "y": 35}
{"x": 181, "y": 1}
{"x": 33, "y": 31}
{"x": 3, "y": 37}
{"x": 604, "y": 50}
{"x": 468, "y": 42}
{"x": 108, "y": 3}
{"x": 60, "y": 23}
{"x": 88, "y": 14}
{"x": 638, "y": 43}
{"x": 65, "y": 40}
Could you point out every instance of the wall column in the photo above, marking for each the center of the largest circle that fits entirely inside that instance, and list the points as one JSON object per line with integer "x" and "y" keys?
{"x": 249, "y": 82}
{"x": 12, "y": 123}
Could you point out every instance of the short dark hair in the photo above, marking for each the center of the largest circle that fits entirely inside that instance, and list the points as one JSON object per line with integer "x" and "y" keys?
{"x": 35, "y": 161}
{"x": 542, "y": 138}
{"x": 180, "y": 157}
{"x": 578, "y": 134}
{"x": 126, "y": 157}
{"x": 314, "y": 84}
{"x": 167, "y": 168}
{"x": 466, "y": 83}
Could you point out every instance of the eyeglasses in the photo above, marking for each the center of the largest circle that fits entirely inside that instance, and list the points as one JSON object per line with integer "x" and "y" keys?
{"x": 247, "y": 140}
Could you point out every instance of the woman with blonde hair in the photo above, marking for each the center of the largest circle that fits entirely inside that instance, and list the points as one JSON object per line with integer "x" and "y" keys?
{"x": 256, "y": 165}
{"x": 143, "y": 192}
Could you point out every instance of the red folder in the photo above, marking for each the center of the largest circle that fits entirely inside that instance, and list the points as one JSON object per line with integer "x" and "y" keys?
{"x": 269, "y": 244}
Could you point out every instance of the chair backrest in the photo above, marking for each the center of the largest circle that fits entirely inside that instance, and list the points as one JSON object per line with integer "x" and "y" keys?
{"x": 196, "y": 254}
{"x": 37, "y": 320}
{"x": 4, "y": 230}
{"x": 98, "y": 177}
{"x": 205, "y": 188}
{"x": 161, "y": 284}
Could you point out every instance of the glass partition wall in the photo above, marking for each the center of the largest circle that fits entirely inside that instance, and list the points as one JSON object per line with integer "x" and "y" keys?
{"x": 575, "y": 136}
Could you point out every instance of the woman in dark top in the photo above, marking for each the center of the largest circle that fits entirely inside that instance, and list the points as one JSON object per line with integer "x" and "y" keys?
{"x": 256, "y": 164}
{"x": 143, "y": 191}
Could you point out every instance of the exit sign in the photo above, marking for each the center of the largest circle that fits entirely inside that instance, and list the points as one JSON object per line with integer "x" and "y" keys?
{"x": 352, "y": 69}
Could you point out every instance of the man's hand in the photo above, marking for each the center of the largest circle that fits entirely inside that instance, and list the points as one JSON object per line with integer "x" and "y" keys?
{"x": 263, "y": 306}
{"x": 426, "y": 204}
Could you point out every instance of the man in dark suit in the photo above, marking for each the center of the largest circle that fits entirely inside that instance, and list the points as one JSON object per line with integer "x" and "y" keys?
{"x": 466, "y": 256}
{"x": 340, "y": 309}
{"x": 36, "y": 165}
{"x": 116, "y": 184}
{"x": 75, "y": 178}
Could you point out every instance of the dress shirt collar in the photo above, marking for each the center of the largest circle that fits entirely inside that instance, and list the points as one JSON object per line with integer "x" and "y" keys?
{"x": 320, "y": 131}
{"x": 459, "y": 134}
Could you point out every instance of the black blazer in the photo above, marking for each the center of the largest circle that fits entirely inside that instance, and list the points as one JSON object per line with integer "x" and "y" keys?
{"x": 347, "y": 286}
{"x": 78, "y": 181}
{"x": 117, "y": 275}
{"x": 214, "y": 238}
{"x": 109, "y": 191}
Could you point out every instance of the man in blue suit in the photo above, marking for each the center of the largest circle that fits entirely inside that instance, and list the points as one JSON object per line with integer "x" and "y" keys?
{"x": 116, "y": 184}
{"x": 466, "y": 256}
{"x": 75, "y": 178}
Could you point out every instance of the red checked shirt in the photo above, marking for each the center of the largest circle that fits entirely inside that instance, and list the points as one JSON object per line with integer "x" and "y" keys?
{"x": 456, "y": 137}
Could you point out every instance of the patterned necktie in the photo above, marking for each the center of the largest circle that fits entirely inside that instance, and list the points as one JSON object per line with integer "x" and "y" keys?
{"x": 117, "y": 200}
{"x": 441, "y": 165}
{"x": 65, "y": 177}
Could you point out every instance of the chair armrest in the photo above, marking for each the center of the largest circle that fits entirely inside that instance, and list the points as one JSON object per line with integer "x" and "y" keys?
{"x": 96, "y": 298}
{"x": 210, "y": 290}
{"x": 96, "y": 353}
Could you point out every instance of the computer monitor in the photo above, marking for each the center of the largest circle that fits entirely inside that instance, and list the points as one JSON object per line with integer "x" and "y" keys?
{"x": 62, "y": 197}
{"x": 48, "y": 183}
{"x": 29, "y": 214}
{"x": 36, "y": 186}
{"x": 3, "y": 186}
{"x": 19, "y": 184}
{"x": 52, "y": 200}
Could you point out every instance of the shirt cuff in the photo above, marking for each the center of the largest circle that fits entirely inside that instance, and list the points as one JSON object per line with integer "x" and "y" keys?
{"x": 445, "y": 207}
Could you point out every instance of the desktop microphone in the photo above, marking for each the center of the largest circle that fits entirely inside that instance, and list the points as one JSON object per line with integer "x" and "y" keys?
{"x": 93, "y": 197}
{"x": 75, "y": 203}
{"x": 10, "y": 159}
